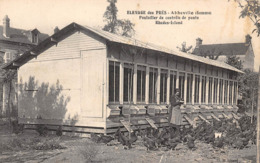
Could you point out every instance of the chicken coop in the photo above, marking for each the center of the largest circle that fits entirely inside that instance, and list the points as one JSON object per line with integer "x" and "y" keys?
{"x": 89, "y": 80}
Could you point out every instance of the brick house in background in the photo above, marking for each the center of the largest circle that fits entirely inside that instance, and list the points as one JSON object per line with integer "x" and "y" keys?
{"x": 243, "y": 50}
{"x": 13, "y": 42}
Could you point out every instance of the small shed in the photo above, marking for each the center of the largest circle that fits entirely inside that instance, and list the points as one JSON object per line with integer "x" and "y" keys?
{"x": 89, "y": 80}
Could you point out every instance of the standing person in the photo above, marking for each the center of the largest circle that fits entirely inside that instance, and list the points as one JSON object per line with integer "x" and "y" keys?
{"x": 175, "y": 117}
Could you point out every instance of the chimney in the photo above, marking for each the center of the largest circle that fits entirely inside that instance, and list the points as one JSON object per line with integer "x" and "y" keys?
{"x": 6, "y": 27}
{"x": 35, "y": 36}
{"x": 248, "y": 39}
{"x": 198, "y": 42}
{"x": 56, "y": 29}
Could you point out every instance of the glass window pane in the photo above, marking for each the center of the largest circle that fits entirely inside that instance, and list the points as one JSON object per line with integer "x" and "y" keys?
{"x": 197, "y": 85}
{"x": 117, "y": 79}
{"x": 173, "y": 77}
{"x": 225, "y": 91}
{"x": 153, "y": 74}
{"x": 163, "y": 85}
{"x": 141, "y": 78}
{"x": 114, "y": 79}
{"x": 189, "y": 88}
{"x": 235, "y": 93}
{"x": 215, "y": 93}
{"x": 230, "y": 92}
{"x": 128, "y": 83}
{"x": 221, "y": 91}
{"x": 203, "y": 89}
{"x": 210, "y": 90}
{"x": 181, "y": 84}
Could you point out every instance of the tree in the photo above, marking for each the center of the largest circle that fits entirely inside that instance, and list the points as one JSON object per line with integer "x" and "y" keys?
{"x": 126, "y": 27}
{"x": 111, "y": 17}
{"x": 235, "y": 62}
{"x": 251, "y": 9}
{"x": 248, "y": 86}
{"x": 122, "y": 27}
{"x": 211, "y": 54}
{"x": 184, "y": 48}
{"x": 213, "y": 57}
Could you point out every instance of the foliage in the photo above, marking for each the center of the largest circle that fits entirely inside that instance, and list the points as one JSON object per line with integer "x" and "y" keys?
{"x": 184, "y": 48}
{"x": 89, "y": 151}
{"x": 248, "y": 84}
{"x": 213, "y": 57}
{"x": 114, "y": 25}
{"x": 9, "y": 75}
{"x": 21, "y": 143}
{"x": 111, "y": 17}
{"x": 211, "y": 54}
{"x": 126, "y": 27}
{"x": 49, "y": 144}
{"x": 235, "y": 62}
{"x": 248, "y": 88}
{"x": 11, "y": 145}
{"x": 251, "y": 9}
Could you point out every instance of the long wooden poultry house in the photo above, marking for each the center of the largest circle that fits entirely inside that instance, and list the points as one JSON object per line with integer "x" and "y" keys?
{"x": 89, "y": 80}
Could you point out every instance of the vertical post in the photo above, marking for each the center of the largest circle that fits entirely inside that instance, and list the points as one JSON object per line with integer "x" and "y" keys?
{"x": 135, "y": 84}
{"x": 158, "y": 86}
{"x": 200, "y": 85}
{"x": 105, "y": 89}
{"x": 228, "y": 92}
{"x": 212, "y": 91}
{"x": 223, "y": 93}
{"x": 207, "y": 91}
{"x": 193, "y": 89}
{"x": 232, "y": 92}
{"x": 217, "y": 102}
{"x": 121, "y": 83}
{"x": 185, "y": 88}
{"x": 177, "y": 80}
{"x": 258, "y": 122}
{"x": 168, "y": 88}
{"x": 147, "y": 86}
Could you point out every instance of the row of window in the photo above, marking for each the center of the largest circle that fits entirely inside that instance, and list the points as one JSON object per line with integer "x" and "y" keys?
{"x": 227, "y": 90}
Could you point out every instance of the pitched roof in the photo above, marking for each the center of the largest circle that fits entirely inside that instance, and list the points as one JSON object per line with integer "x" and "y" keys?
{"x": 21, "y": 36}
{"x": 106, "y": 36}
{"x": 222, "y": 49}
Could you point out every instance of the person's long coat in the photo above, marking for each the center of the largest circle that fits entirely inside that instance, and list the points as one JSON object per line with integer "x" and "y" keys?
{"x": 175, "y": 111}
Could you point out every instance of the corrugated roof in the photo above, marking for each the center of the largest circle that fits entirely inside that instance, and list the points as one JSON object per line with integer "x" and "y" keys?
{"x": 118, "y": 39}
{"x": 222, "y": 49}
{"x": 21, "y": 36}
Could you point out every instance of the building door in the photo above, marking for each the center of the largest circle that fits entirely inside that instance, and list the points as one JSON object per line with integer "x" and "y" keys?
{"x": 92, "y": 79}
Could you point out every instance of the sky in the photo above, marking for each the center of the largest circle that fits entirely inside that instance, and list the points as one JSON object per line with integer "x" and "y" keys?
{"x": 221, "y": 26}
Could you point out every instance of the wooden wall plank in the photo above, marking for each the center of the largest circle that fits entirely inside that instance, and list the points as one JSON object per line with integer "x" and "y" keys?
{"x": 70, "y": 47}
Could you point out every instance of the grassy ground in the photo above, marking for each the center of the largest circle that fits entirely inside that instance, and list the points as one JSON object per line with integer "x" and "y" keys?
{"x": 116, "y": 153}
{"x": 29, "y": 147}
